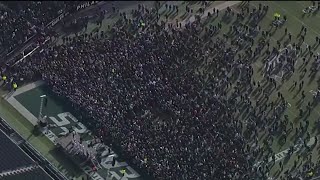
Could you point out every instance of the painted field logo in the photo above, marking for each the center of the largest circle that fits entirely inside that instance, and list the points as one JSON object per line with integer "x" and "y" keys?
{"x": 278, "y": 66}
{"x": 65, "y": 119}
{"x": 62, "y": 121}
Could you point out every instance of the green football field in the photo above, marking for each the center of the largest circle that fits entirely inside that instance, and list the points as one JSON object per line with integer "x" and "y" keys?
{"x": 39, "y": 141}
{"x": 60, "y": 119}
{"x": 291, "y": 9}
{"x": 54, "y": 106}
{"x": 31, "y": 101}
{"x": 63, "y": 117}
{"x": 111, "y": 19}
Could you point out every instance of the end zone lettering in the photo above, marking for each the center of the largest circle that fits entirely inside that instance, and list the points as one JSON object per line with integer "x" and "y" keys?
{"x": 87, "y": 4}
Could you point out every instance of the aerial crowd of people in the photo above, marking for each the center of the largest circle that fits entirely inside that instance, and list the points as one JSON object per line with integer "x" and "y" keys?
{"x": 177, "y": 99}
{"x": 20, "y": 20}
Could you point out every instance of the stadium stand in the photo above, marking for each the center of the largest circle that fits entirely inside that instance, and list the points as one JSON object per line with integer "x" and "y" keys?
{"x": 21, "y": 21}
{"x": 11, "y": 156}
{"x": 140, "y": 75}
{"x": 25, "y": 163}
{"x": 33, "y": 174}
{"x": 182, "y": 102}
{"x": 40, "y": 13}
{"x": 14, "y": 30}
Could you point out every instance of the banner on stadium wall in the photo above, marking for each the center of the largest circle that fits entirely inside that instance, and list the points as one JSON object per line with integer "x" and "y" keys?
{"x": 56, "y": 20}
{"x": 87, "y": 4}
{"x": 79, "y": 7}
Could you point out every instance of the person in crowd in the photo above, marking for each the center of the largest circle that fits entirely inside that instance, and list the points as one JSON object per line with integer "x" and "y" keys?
{"x": 171, "y": 97}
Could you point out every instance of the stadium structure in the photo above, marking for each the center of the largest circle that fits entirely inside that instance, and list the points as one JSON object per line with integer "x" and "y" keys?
{"x": 19, "y": 160}
{"x": 132, "y": 90}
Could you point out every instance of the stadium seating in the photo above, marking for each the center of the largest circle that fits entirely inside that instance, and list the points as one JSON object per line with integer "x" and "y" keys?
{"x": 34, "y": 174}
{"x": 19, "y": 21}
{"x": 14, "y": 30}
{"x": 40, "y": 12}
{"x": 11, "y": 156}
{"x": 37, "y": 12}
{"x": 26, "y": 169}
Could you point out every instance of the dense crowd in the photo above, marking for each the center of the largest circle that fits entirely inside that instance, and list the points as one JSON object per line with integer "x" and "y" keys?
{"x": 20, "y": 20}
{"x": 14, "y": 30}
{"x": 142, "y": 93}
{"x": 39, "y": 13}
{"x": 173, "y": 96}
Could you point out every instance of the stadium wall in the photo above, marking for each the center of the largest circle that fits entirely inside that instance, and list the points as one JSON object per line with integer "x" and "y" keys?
{"x": 32, "y": 152}
{"x": 10, "y": 56}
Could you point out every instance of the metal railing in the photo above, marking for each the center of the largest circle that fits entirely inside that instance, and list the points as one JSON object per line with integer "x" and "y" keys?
{"x": 65, "y": 12}
{"x": 34, "y": 154}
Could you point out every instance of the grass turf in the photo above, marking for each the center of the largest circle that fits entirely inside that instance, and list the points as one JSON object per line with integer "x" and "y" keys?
{"x": 39, "y": 142}
{"x": 293, "y": 11}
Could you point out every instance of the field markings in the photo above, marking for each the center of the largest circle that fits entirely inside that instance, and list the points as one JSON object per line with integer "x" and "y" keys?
{"x": 306, "y": 6}
{"x": 52, "y": 137}
{"x": 279, "y": 156}
{"x": 291, "y": 14}
{"x": 18, "y": 106}
{"x": 27, "y": 87}
{"x": 285, "y": 87}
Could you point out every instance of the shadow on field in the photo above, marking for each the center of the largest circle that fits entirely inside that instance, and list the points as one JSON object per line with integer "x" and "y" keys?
{"x": 35, "y": 132}
{"x": 66, "y": 162}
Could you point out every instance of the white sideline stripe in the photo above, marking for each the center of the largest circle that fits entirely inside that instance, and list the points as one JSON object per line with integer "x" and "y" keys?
{"x": 19, "y": 107}
{"x": 295, "y": 17}
{"x": 32, "y": 119}
{"x": 28, "y": 87}
{"x": 22, "y": 110}
{"x": 279, "y": 156}
{"x": 30, "y": 53}
{"x": 220, "y": 7}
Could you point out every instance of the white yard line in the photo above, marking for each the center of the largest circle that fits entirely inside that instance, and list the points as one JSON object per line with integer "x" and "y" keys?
{"x": 279, "y": 156}
{"x": 19, "y": 107}
{"x": 33, "y": 119}
{"x": 285, "y": 87}
{"x": 30, "y": 53}
{"x": 22, "y": 110}
{"x": 220, "y": 7}
{"x": 52, "y": 137}
{"x": 316, "y": 178}
{"x": 295, "y": 18}
{"x": 28, "y": 87}
{"x": 271, "y": 37}
{"x": 304, "y": 6}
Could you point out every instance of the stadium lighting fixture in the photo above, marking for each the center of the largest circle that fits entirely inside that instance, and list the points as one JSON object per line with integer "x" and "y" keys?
{"x": 43, "y": 97}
